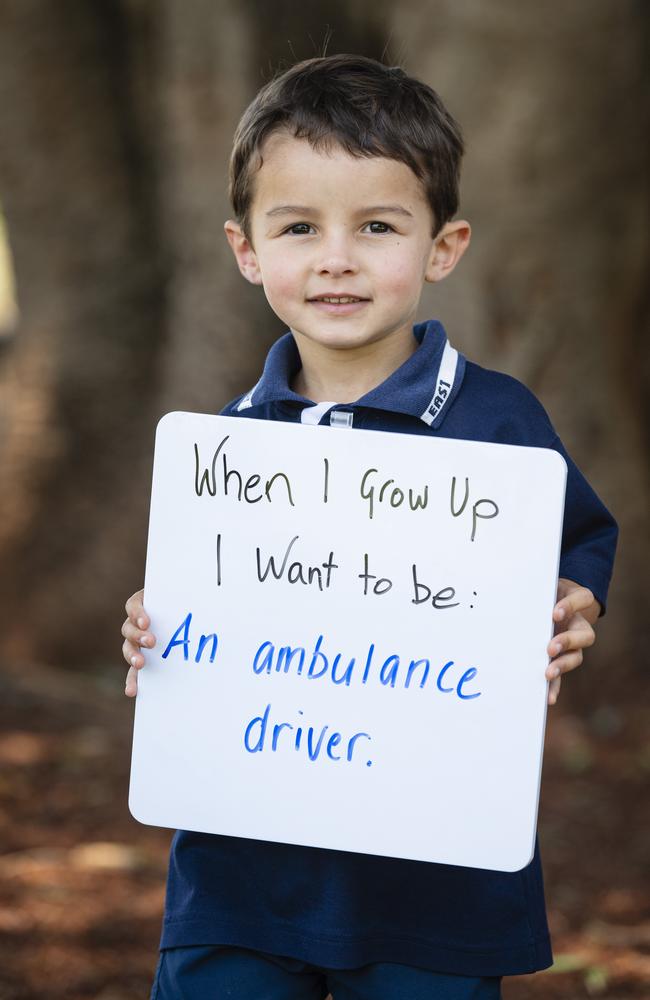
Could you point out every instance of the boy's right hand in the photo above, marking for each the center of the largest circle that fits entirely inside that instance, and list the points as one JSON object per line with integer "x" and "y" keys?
{"x": 136, "y": 638}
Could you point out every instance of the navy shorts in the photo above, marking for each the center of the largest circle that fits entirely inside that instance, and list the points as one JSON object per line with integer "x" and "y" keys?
{"x": 213, "y": 972}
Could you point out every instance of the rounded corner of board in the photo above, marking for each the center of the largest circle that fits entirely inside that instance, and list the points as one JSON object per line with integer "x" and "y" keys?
{"x": 134, "y": 809}
{"x": 517, "y": 864}
{"x": 168, "y": 418}
{"x": 558, "y": 461}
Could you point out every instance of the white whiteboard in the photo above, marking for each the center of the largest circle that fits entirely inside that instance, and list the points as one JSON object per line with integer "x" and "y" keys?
{"x": 251, "y": 722}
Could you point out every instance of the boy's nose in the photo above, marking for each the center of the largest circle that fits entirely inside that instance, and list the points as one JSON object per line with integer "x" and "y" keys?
{"x": 336, "y": 260}
{"x": 337, "y": 266}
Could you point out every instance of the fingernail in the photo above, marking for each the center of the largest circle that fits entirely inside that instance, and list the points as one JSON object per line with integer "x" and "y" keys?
{"x": 559, "y": 613}
{"x": 555, "y": 672}
{"x": 144, "y": 641}
{"x": 142, "y": 623}
{"x": 557, "y": 648}
{"x": 133, "y": 661}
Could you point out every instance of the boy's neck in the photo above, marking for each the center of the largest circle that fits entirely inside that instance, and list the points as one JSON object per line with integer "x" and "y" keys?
{"x": 345, "y": 375}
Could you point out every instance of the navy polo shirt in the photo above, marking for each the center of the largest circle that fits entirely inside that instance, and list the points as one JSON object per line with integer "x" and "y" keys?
{"x": 342, "y": 910}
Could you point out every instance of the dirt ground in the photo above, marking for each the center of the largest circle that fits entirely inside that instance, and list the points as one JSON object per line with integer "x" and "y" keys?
{"x": 82, "y": 884}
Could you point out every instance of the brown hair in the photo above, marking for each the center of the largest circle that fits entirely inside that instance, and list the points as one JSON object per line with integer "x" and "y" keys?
{"x": 366, "y": 108}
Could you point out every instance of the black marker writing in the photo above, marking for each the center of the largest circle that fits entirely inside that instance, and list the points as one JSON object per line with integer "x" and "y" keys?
{"x": 248, "y": 489}
{"x": 395, "y": 496}
{"x": 298, "y": 571}
{"x": 482, "y": 510}
{"x": 383, "y": 584}
{"x": 326, "y": 479}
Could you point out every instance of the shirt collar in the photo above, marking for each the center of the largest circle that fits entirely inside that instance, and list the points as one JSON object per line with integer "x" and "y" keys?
{"x": 424, "y": 386}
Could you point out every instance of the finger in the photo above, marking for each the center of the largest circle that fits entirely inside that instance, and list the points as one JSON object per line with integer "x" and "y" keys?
{"x": 562, "y": 664}
{"x": 577, "y": 600}
{"x": 579, "y": 635}
{"x": 131, "y": 684}
{"x": 132, "y": 655}
{"x": 554, "y": 690}
{"x": 136, "y": 636}
{"x": 135, "y": 609}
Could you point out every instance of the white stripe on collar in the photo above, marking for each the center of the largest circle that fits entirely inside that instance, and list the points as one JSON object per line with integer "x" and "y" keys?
{"x": 248, "y": 398}
{"x": 446, "y": 376}
{"x": 314, "y": 414}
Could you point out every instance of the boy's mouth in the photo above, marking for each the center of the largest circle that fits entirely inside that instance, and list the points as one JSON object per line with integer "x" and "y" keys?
{"x": 341, "y": 305}
{"x": 338, "y": 299}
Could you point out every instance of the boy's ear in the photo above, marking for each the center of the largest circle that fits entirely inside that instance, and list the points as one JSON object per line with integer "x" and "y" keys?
{"x": 448, "y": 247}
{"x": 244, "y": 254}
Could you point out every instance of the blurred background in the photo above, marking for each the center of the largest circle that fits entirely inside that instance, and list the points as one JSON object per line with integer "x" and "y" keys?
{"x": 119, "y": 301}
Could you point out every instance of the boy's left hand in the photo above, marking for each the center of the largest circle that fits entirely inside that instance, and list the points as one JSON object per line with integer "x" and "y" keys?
{"x": 574, "y": 614}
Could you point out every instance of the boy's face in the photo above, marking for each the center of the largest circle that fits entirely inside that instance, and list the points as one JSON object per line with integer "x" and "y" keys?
{"x": 342, "y": 245}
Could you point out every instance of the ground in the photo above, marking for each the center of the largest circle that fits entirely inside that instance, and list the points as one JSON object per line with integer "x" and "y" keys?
{"x": 82, "y": 884}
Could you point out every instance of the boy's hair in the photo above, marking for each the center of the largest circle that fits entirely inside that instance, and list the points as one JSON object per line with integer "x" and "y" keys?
{"x": 366, "y": 108}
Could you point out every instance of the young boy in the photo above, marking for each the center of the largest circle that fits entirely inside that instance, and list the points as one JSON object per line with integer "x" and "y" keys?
{"x": 344, "y": 183}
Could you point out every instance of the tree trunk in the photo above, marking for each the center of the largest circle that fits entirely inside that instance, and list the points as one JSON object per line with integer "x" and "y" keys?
{"x": 552, "y": 290}
{"x": 117, "y": 120}
{"x": 77, "y": 183}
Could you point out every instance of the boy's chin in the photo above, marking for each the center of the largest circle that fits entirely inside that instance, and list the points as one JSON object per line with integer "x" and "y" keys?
{"x": 332, "y": 340}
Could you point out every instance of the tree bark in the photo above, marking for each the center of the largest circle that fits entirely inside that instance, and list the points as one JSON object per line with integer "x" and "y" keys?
{"x": 77, "y": 183}
{"x": 552, "y": 289}
{"x": 117, "y": 120}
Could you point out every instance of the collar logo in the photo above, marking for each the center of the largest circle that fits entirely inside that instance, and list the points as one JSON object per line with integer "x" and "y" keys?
{"x": 442, "y": 391}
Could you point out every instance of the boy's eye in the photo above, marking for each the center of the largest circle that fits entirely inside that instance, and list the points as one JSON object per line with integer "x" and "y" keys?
{"x": 299, "y": 229}
{"x": 379, "y": 227}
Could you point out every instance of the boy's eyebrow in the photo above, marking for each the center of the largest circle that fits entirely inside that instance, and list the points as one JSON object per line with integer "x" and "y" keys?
{"x": 291, "y": 210}
{"x": 368, "y": 210}
{"x": 385, "y": 209}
